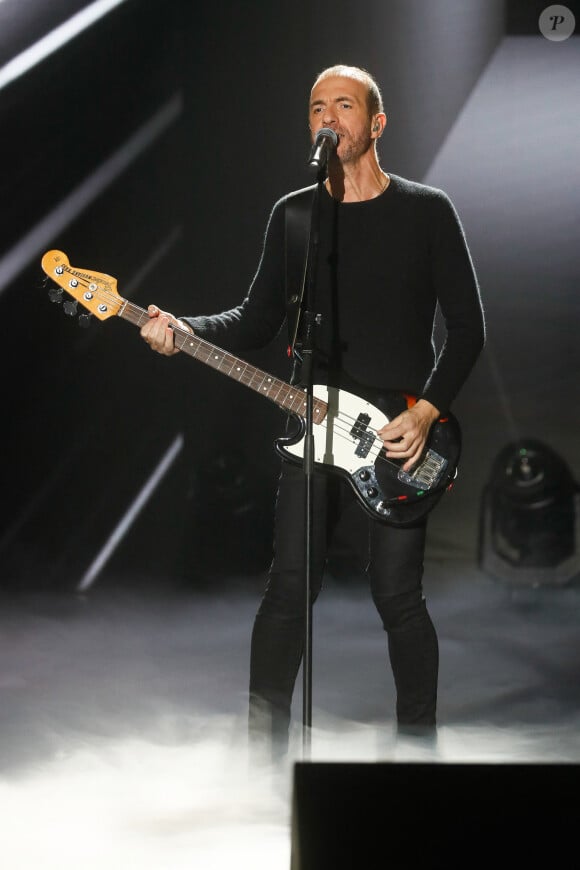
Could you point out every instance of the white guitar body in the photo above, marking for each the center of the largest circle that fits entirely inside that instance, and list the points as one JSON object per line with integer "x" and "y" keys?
{"x": 346, "y": 443}
{"x": 341, "y": 445}
{"x": 334, "y": 443}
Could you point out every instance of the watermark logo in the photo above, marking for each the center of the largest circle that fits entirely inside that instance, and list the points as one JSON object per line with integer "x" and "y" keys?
{"x": 557, "y": 23}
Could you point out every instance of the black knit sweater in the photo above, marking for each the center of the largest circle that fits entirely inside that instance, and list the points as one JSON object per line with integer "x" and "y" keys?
{"x": 383, "y": 265}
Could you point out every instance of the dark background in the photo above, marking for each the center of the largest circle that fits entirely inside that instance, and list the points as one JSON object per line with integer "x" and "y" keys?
{"x": 152, "y": 147}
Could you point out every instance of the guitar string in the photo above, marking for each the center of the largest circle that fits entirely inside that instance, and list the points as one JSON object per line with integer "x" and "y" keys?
{"x": 343, "y": 432}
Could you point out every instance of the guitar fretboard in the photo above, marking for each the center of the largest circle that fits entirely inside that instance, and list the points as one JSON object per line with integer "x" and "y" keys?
{"x": 283, "y": 394}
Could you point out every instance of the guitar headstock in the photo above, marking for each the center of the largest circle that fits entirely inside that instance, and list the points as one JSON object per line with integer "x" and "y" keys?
{"x": 94, "y": 290}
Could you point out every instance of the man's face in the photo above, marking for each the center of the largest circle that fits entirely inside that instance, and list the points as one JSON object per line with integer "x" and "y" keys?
{"x": 341, "y": 104}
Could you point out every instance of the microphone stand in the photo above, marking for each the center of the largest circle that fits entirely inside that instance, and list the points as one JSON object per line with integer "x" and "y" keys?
{"x": 310, "y": 320}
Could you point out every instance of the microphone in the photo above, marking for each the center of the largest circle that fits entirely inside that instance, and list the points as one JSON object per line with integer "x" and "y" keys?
{"x": 325, "y": 142}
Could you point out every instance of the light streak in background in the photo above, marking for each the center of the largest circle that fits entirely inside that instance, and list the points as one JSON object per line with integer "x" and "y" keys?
{"x": 53, "y": 41}
{"x": 42, "y": 235}
{"x": 131, "y": 514}
{"x": 44, "y": 493}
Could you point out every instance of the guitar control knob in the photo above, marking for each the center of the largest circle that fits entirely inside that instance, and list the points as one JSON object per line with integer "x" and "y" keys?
{"x": 364, "y": 474}
{"x": 372, "y": 491}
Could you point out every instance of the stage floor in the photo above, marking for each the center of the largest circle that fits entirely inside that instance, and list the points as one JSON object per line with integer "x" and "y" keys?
{"x": 123, "y": 710}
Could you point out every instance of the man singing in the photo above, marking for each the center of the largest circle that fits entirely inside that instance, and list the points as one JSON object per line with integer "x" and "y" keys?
{"x": 390, "y": 250}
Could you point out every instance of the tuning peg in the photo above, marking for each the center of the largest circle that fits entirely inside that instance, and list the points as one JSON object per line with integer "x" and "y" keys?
{"x": 70, "y": 307}
{"x": 85, "y": 320}
{"x": 55, "y": 293}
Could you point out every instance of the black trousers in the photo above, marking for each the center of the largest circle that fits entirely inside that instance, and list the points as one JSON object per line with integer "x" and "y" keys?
{"x": 395, "y": 571}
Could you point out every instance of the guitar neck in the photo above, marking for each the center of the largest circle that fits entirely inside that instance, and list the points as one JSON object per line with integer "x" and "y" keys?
{"x": 283, "y": 394}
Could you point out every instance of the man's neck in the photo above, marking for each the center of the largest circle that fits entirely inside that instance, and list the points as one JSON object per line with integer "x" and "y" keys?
{"x": 357, "y": 182}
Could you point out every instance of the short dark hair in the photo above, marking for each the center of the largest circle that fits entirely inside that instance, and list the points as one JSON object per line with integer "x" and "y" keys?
{"x": 374, "y": 96}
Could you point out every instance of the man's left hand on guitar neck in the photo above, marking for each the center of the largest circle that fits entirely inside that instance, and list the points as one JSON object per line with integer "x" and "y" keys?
{"x": 405, "y": 436}
{"x": 158, "y": 331}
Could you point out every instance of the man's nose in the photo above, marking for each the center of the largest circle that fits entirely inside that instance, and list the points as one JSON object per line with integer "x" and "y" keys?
{"x": 329, "y": 117}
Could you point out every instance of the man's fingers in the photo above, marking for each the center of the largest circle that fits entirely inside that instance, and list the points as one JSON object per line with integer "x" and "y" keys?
{"x": 412, "y": 460}
{"x": 403, "y": 448}
{"x": 391, "y": 437}
{"x": 399, "y": 446}
{"x": 158, "y": 331}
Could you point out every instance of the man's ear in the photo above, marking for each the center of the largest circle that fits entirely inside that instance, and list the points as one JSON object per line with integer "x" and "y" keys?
{"x": 379, "y": 124}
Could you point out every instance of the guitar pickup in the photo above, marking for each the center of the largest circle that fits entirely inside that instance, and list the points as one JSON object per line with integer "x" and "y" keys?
{"x": 361, "y": 434}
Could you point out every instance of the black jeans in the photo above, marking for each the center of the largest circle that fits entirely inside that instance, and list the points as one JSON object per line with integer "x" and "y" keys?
{"x": 395, "y": 572}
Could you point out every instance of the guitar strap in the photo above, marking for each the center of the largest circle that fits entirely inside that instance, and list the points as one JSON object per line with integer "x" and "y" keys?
{"x": 297, "y": 213}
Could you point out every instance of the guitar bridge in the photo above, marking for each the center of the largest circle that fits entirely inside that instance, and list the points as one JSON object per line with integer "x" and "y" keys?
{"x": 427, "y": 474}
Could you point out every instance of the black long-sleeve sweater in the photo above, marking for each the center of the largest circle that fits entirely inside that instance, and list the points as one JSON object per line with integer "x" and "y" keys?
{"x": 383, "y": 265}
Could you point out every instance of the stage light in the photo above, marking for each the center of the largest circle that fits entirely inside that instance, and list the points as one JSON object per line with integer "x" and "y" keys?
{"x": 529, "y": 522}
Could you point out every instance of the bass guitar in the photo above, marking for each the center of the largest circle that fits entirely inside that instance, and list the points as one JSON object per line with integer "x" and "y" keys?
{"x": 345, "y": 425}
